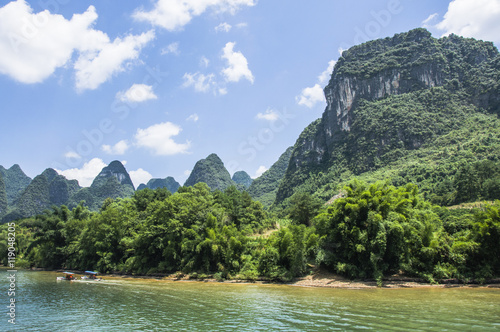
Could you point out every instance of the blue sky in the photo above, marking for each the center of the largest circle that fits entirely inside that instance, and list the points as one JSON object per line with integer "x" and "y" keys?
{"x": 161, "y": 84}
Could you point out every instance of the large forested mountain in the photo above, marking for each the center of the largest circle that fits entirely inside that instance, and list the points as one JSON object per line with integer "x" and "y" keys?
{"x": 46, "y": 189}
{"x": 212, "y": 172}
{"x": 411, "y": 108}
{"x": 15, "y": 182}
{"x": 26, "y": 197}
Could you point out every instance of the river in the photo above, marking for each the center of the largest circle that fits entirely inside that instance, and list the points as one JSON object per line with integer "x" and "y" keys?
{"x": 127, "y": 304}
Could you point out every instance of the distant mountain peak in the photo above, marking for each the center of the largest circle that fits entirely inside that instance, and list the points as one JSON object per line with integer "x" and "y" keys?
{"x": 114, "y": 169}
{"x": 211, "y": 171}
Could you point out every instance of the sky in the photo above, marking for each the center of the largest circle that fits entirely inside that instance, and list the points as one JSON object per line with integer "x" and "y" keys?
{"x": 161, "y": 84}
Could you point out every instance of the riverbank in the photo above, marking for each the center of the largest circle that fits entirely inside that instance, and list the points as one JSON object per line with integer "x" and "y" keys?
{"x": 320, "y": 279}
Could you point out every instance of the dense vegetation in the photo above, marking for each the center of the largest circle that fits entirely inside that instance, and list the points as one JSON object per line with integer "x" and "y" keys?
{"x": 370, "y": 231}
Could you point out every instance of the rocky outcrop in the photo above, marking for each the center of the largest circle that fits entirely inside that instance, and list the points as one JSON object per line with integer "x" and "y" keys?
{"x": 406, "y": 63}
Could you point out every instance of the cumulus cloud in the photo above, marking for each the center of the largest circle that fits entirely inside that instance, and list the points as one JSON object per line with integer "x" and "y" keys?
{"x": 86, "y": 174}
{"x": 93, "y": 69}
{"x": 237, "y": 65}
{"x": 140, "y": 176}
{"x": 172, "y": 48}
{"x": 158, "y": 139}
{"x": 269, "y": 115}
{"x": 199, "y": 81}
{"x": 137, "y": 93}
{"x": 34, "y": 45}
{"x": 223, "y": 27}
{"x": 324, "y": 77}
{"x": 118, "y": 149}
{"x": 309, "y": 97}
{"x": 471, "y": 18}
{"x": 175, "y": 14}
{"x": 72, "y": 155}
{"x": 259, "y": 172}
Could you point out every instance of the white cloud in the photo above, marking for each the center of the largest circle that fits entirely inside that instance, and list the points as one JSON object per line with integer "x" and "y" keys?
{"x": 311, "y": 96}
{"x": 472, "y": 18}
{"x": 86, "y": 174}
{"x": 158, "y": 138}
{"x": 137, "y": 93}
{"x": 242, "y": 25}
{"x": 140, "y": 176}
{"x": 269, "y": 115}
{"x": 200, "y": 82}
{"x": 193, "y": 117}
{"x": 223, "y": 27}
{"x": 118, "y": 149}
{"x": 34, "y": 45}
{"x": 204, "y": 62}
{"x": 187, "y": 172}
{"x": 171, "y": 48}
{"x": 430, "y": 21}
{"x": 175, "y": 14}
{"x": 72, "y": 155}
{"x": 325, "y": 76}
{"x": 93, "y": 69}
{"x": 259, "y": 172}
{"x": 237, "y": 65}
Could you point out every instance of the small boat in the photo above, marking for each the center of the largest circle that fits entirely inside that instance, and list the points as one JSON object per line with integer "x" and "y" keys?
{"x": 90, "y": 275}
{"x": 67, "y": 276}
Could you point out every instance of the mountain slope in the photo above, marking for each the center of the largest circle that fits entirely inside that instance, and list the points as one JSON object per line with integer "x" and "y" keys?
{"x": 211, "y": 171}
{"x": 3, "y": 197}
{"x": 46, "y": 189}
{"x": 389, "y": 100}
{"x": 112, "y": 182}
{"x": 114, "y": 169}
{"x": 15, "y": 182}
{"x": 168, "y": 183}
{"x": 264, "y": 188}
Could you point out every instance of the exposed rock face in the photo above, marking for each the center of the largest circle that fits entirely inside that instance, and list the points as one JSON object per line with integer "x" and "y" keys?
{"x": 242, "y": 178}
{"x": 114, "y": 169}
{"x": 212, "y": 172}
{"x": 168, "y": 183}
{"x": 405, "y": 63}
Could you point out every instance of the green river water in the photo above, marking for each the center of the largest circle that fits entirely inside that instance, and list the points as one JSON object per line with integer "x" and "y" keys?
{"x": 126, "y": 304}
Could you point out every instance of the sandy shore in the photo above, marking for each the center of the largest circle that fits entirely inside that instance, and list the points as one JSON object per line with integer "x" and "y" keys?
{"x": 330, "y": 280}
